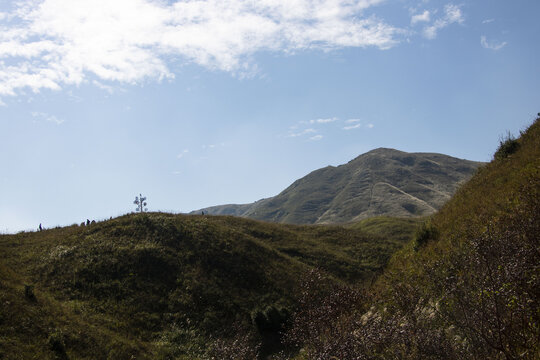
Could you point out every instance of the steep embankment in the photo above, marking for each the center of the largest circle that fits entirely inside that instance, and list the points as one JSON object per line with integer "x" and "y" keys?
{"x": 381, "y": 182}
{"x": 474, "y": 268}
{"x": 159, "y": 285}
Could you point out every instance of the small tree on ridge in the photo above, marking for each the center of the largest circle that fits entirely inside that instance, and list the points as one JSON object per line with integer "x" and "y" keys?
{"x": 140, "y": 201}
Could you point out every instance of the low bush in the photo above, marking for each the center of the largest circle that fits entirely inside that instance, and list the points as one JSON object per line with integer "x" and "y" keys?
{"x": 56, "y": 343}
{"x": 424, "y": 234}
{"x": 507, "y": 146}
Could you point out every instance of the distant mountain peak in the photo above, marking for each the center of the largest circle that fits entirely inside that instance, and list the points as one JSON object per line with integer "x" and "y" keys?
{"x": 383, "y": 181}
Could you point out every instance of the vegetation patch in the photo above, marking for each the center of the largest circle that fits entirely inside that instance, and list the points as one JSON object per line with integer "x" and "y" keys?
{"x": 155, "y": 285}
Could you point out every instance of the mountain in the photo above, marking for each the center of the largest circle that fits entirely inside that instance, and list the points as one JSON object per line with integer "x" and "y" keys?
{"x": 381, "y": 182}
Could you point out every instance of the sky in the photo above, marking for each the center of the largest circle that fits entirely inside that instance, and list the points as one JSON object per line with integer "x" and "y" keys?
{"x": 208, "y": 102}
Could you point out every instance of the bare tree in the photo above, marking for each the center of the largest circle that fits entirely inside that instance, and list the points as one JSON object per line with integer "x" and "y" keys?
{"x": 140, "y": 201}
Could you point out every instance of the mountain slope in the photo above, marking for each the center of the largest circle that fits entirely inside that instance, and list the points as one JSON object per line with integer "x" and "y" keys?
{"x": 475, "y": 266}
{"x": 381, "y": 182}
{"x": 466, "y": 287}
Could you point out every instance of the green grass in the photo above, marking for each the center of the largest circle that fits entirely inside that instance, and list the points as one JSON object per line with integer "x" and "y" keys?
{"x": 158, "y": 285}
{"x": 492, "y": 193}
{"x": 477, "y": 259}
{"x": 398, "y": 230}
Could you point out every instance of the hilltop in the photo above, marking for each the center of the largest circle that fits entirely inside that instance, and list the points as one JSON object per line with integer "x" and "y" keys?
{"x": 380, "y": 182}
{"x": 163, "y": 286}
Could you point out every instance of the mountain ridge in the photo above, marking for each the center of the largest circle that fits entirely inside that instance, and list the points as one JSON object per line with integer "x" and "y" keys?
{"x": 381, "y": 182}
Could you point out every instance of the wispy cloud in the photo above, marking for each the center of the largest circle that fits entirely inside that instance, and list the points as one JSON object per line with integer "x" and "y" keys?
{"x": 350, "y": 127}
{"x": 356, "y": 124}
{"x": 48, "y": 44}
{"x": 182, "y": 154}
{"x": 104, "y": 87}
{"x": 47, "y": 117}
{"x": 423, "y": 17}
{"x": 310, "y": 127}
{"x": 487, "y": 21}
{"x": 452, "y": 15}
{"x": 323, "y": 121}
{"x": 213, "y": 146}
{"x": 491, "y": 45}
{"x": 301, "y": 133}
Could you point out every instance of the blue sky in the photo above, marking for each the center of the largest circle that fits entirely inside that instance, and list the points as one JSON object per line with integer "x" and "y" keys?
{"x": 200, "y": 103}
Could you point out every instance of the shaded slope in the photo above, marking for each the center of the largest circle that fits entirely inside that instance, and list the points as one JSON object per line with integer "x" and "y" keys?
{"x": 380, "y": 182}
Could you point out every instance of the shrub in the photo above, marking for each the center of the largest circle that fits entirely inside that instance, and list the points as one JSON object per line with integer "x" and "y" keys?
{"x": 493, "y": 299}
{"x": 271, "y": 319}
{"x": 242, "y": 346}
{"x": 325, "y": 324}
{"x": 425, "y": 233}
{"x": 29, "y": 292}
{"x": 507, "y": 146}
{"x": 57, "y": 344}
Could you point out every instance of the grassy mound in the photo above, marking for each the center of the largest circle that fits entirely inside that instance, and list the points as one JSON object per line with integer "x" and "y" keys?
{"x": 157, "y": 285}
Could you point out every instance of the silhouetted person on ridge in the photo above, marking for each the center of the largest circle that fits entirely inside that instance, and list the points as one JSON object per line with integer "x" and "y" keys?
{"x": 40, "y": 228}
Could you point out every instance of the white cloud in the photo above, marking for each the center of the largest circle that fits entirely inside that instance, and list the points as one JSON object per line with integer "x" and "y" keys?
{"x": 104, "y": 87}
{"x": 423, "y": 17}
{"x": 487, "y": 21}
{"x": 452, "y": 14}
{"x": 316, "y": 138}
{"x": 47, "y": 117}
{"x": 182, "y": 154}
{"x": 356, "y": 124}
{"x": 493, "y": 45}
{"x": 302, "y": 133}
{"x": 48, "y": 44}
{"x": 350, "y": 127}
{"x": 213, "y": 146}
{"x": 323, "y": 121}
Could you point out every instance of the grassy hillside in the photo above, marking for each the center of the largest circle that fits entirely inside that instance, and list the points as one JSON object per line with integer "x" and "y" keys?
{"x": 157, "y": 285}
{"x": 466, "y": 287}
{"x": 399, "y": 230}
{"x": 382, "y": 182}
{"x": 478, "y": 258}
